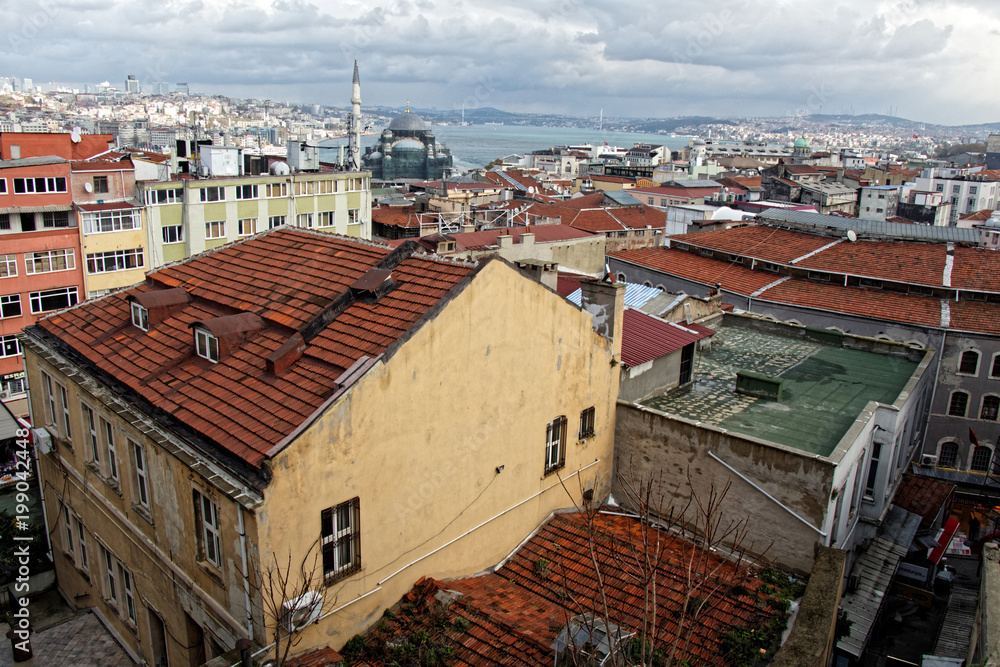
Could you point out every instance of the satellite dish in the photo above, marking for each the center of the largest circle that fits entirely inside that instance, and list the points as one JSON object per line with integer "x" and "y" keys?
{"x": 75, "y": 137}
{"x": 852, "y": 235}
{"x": 88, "y": 187}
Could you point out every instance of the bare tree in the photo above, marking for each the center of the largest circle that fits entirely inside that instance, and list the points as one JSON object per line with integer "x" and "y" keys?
{"x": 291, "y": 595}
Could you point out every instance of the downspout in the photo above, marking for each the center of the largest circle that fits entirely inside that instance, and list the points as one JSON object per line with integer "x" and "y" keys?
{"x": 246, "y": 571}
{"x": 930, "y": 405}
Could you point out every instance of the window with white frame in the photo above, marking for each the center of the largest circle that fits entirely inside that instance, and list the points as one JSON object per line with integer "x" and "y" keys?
{"x": 83, "y": 560}
{"x": 273, "y": 190}
{"x": 140, "y": 316}
{"x": 141, "y": 473}
{"x": 246, "y": 192}
{"x": 90, "y": 429}
{"x": 102, "y": 222}
{"x": 40, "y": 185}
{"x": 166, "y": 196}
{"x": 873, "y": 469}
{"x": 172, "y": 234}
{"x": 959, "y": 404}
{"x": 110, "y": 576}
{"x": 968, "y": 363}
{"x": 246, "y": 226}
{"x": 64, "y": 419}
{"x": 68, "y": 533}
{"x": 353, "y": 216}
{"x": 206, "y": 345}
{"x": 9, "y": 346}
{"x": 119, "y": 586}
{"x": 275, "y": 221}
{"x": 555, "y": 444}
{"x": 111, "y": 449}
{"x": 8, "y": 266}
{"x": 53, "y": 299}
{"x": 215, "y": 229}
{"x": 214, "y": 193}
{"x": 325, "y": 219}
{"x": 50, "y": 398}
{"x": 995, "y": 367}
{"x": 115, "y": 260}
{"x": 948, "y": 454}
{"x": 3, "y": 186}
{"x": 340, "y": 537}
{"x": 304, "y": 220}
{"x": 10, "y": 305}
{"x": 210, "y": 529}
{"x": 990, "y": 407}
{"x": 48, "y": 261}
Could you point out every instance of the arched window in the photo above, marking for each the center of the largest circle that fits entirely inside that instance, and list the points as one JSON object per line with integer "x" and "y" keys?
{"x": 991, "y": 406}
{"x": 948, "y": 454}
{"x": 968, "y": 363}
{"x": 981, "y": 458}
{"x": 959, "y": 404}
{"x": 621, "y": 277}
{"x": 995, "y": 366}
{"x": 646, "y": 283}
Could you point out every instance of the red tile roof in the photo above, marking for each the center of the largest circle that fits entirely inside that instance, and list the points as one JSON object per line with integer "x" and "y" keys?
{"x": 514, "y": 615}
{"x": 767, "y": 243}
{"x": 801, "y": 169}
{"x": 286, "y": 277}
{"x": 320, "y": 657}
{"x": 978, "y": 216}
{"x": 645, "y": 337}
{"x": 543, "y": 234}
{"x": 922, "y": 495}
{"x": 734, "y": 277}
{"x": 921, "y": 263}
{"x": 102, "y": 165}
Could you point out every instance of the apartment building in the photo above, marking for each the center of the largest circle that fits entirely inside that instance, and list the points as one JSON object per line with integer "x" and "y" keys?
{"x": 969, "y": 191}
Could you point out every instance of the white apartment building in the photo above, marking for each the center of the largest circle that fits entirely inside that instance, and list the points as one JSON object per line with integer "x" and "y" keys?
{"x": 969, "y": 191}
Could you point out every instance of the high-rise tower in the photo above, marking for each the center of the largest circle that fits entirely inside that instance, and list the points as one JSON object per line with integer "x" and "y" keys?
{"x": 354, "y": 126}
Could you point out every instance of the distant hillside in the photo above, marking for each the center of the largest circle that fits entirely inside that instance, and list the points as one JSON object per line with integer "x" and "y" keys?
{"x": 870, "y": 120}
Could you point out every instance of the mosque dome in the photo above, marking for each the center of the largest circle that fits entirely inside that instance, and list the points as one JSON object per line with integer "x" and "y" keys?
{"x": 801, "y": 142}
{"x": 408, "y": 144}
{"x": 408, "y": 121}
{"x": 699, "y": 142}
{"x": 374, "y": 155}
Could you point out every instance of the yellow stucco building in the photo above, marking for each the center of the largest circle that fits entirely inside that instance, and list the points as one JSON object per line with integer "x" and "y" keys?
{"x": 378, "y": 413}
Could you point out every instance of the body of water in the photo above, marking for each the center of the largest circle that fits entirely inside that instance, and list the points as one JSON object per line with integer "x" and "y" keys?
{"x": 475, "y": 146}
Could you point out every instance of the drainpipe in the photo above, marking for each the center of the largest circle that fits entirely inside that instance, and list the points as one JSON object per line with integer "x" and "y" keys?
{"x": 246, "y": 572}
{"x": 930, "y": 405}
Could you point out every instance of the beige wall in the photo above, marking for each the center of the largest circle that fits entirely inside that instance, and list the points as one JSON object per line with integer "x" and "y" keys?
{"x": 419, "y": 438}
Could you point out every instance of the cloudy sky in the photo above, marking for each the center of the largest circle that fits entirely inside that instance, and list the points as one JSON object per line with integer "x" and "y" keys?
{"x": 929, "y": 60}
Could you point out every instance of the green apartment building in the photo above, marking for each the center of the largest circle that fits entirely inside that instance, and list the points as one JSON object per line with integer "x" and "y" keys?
{"x": 186, "y": 217}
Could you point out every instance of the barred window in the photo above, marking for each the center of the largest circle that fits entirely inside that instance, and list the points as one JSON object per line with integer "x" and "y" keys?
{"x": 341, "y": 539}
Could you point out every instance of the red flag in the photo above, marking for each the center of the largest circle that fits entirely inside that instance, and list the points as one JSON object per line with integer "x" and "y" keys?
{"x": 915, "y": 136}
{"x": 972, "y": 438}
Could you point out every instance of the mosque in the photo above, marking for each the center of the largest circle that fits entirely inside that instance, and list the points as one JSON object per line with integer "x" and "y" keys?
{"x": 407, "y": 149}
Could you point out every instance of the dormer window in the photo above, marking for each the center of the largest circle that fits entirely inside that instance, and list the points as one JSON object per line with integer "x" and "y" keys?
{"x": 140, "y": 316}
{"x": 206, "y": 345}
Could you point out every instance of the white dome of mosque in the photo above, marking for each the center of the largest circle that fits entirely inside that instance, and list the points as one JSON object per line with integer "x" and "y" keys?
{"x": 408, "y": 144}
{"x": 374, "y": 155}
{"x": 408, "y": 121}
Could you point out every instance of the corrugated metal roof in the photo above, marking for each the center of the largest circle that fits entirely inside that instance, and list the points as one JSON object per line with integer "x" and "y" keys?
{"x": 869, "y": 228}
{"x": 645, "y": 337}
{"x": 31, "y": 162}
{"x": 36, "y": 209}
{"x": 635, "y": 295}
{"x": 622, "y": 198}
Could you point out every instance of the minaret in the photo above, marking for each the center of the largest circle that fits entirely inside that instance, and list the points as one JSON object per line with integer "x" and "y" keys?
{"x": 354, "y": 126}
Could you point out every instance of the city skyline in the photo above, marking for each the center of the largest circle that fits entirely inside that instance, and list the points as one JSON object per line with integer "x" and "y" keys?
{"x": 739, "y": 58}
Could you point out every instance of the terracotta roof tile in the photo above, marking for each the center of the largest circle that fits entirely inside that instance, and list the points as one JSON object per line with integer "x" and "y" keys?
{"x": 734, "y": 277}
{"x": 767, "y": 243}
{"x": 924, "y": 496}
{"x": 286, "y": 276}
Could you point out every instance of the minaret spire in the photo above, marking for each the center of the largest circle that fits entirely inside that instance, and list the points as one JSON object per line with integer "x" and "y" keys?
{"x": 354, "y": 125}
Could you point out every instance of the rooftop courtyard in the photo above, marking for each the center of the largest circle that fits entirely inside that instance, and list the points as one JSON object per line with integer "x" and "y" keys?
{"x": 824, "y": 388}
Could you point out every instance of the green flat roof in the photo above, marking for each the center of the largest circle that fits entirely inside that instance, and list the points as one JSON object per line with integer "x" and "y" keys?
{"x": 824, "y": 388}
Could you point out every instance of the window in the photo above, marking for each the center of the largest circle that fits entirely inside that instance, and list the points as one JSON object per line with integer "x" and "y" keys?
{"x": 958, "y": 404}
{"x": 110, "y": 576}
{"x": 129, "y": 594}
{"x": 50, "y": 398}
{"x": 939, "y": 187}
{"x": 8, "y": 266}
{"x": 3, "y": 186}
{"x": 173, "y": 234}
{"x": 215, "y": 193}
{"x": 341, "y": 539}
{"x": 171, "y": 196}
{"x": 90, "y": 427}
{"x": 955, "y": 189}
{"x": 991, "y": 406}
{"x": 206, "y": 515}
{"x": 68, "y": 545}
{"x": 10, "y": 305}
{"x": 109, "y": 442}
{"x": 555, "y": 444}
{"x": 650, "y": 199}
{"x": 115, "y": 575}
{"x": 873, "y": 469}
{"x": 973, "y": 190}
{"x": 206, "y": 345}
{"x": 304, "y": 220}
{"x": 247, "y": 226}
{"x": 995, "y": 367}
{"x": 272, "y": 190}
{"x": 968, "y": 363}
{"x": 53, "y": 299}
{"x": 14, "y": 384}
{"x": 246, "y": 192}
{"x": 100, "y": 184}
{"x": 981, "y": 457}
{"x": 115, "y": 260}
{"x": 353, "y": 216}
{"x": 40, "y": 185}
{"x": 326, "y": 219}
{"x": 587, "y": 423}
{"x": 64, "y": 423}
{"x": 140, "y": 316}
{"x": 5, "y": 222}
{"x": 141, "y": 473}
{"x": 215, "y": 229}
{"x": 53, "y": 219}
{"x": 102, "y": 222}
{"x": 275, "y": 221}
{"x": 47, "y": 261}
{"x": 83, "y": 562}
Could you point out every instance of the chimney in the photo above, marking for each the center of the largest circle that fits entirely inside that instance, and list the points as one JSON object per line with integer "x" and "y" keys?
{"x": 527, "y": 239}
{"x": 606, "y": 302}
{"x": 505, "y": 241}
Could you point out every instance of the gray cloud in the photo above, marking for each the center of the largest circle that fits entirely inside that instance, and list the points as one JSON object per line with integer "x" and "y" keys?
{"x": 564, "y": 56}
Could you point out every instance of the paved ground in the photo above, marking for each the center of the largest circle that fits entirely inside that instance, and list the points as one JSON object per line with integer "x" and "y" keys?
{"x": 64, "y": 637}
